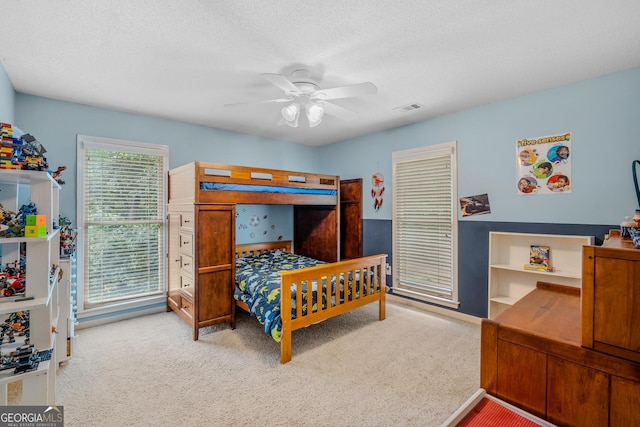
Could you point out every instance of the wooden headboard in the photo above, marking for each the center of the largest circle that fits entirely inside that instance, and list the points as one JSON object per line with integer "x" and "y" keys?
{"x": 253, "y": 249}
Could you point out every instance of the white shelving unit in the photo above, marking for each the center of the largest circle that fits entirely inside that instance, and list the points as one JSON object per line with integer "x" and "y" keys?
{"x": 18, "y": 187}
{"x": 509, "y": 252}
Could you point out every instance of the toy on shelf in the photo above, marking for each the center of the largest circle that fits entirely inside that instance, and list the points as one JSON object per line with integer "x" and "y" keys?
{"x": 67, "y": 237}
{"x": 21, "y": 150}
{"x": 16, "y": 323}
{"x": 56, "y": 174}
{"x": 13, "y": 224}
{"x": 12, "y": 279}
{"x": 36, "y": 226}
{"x": 539, "y": 259}
{"x": 23, "y": 359}
{"x": 52, "y": 273}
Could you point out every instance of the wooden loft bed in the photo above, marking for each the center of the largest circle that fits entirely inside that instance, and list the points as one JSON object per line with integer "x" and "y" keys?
{"x": 315, "y": 197}
{"x": 187, "y": 180}
{"x": 198, "y": 188}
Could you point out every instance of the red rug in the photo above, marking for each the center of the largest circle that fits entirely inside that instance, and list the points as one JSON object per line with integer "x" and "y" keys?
{"x": 488, "y": 413}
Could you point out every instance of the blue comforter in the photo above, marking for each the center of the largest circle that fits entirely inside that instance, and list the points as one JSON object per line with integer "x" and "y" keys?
{"x": 258, "y": 286}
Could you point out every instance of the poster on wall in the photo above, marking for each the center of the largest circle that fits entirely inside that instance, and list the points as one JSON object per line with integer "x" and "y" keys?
{"x": 475, "y": 205}
{"x": 544, "y": 165}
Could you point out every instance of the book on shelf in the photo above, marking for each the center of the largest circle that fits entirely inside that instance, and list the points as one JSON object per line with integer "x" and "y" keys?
{"x": 539, "y": 259}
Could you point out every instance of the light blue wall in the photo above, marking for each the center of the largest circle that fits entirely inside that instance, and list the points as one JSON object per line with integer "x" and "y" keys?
{"x": 263, "y": 223}
{"x": 602, "y": 114}
{"x": 7, "y": 97}
{"x": 56, "y": 124}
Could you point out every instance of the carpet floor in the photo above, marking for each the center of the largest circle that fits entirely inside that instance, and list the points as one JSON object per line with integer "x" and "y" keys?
{"x": 412, "y": 369}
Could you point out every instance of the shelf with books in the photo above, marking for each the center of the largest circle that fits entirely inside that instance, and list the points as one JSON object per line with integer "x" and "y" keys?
{"x": 513, "y": 271}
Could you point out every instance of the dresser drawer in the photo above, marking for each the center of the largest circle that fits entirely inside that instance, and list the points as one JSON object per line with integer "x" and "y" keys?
{"x": 186, "y": 243}
{"x": 186, "y": 282}
{"x": 186, "y": 220}
{"x": 186, "y": 264}
{"x": 186, "y": 307}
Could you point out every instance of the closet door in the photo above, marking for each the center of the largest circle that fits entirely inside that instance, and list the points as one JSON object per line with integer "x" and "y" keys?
{"x": 215, "y": 275}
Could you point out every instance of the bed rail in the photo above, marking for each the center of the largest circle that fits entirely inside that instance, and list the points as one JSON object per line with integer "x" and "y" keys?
{"x": 250, "y": 176}
{"x": 346, "y": 295}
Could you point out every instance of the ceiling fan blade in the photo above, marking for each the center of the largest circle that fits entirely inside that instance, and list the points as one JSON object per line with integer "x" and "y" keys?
{"x": 282, "y": 82}
{"x": 338, "y": 111}
{"x": 266, "y": 101}
{"x": 348, "y": 91}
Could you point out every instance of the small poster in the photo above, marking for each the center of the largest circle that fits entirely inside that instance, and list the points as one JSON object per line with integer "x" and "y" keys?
{"x": 475, "y": 205}
{"x": 544, "y": 165}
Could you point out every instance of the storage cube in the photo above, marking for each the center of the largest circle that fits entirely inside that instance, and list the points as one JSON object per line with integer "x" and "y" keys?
{"x": 36, "y": 220}
{"x": 35, "y": 230}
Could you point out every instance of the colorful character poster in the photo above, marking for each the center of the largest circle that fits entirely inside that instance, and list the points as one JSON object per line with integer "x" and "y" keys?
{"x": 544, "y": 165}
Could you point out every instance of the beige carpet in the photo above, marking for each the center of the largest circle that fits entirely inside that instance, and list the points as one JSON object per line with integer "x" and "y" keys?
{"x": 412, "y": 369}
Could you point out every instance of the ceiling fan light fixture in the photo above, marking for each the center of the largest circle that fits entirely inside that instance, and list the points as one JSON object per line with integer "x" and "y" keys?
{"x": 315, "y": 112}
{"x": 301, "y": 92}
{"x": 291, "y": 113}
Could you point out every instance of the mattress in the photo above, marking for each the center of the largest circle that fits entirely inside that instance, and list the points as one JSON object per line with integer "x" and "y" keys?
{"x": 213, "y": 186}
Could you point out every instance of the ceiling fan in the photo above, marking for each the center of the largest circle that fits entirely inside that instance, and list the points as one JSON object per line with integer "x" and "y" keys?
{"x": 304, "y": 94}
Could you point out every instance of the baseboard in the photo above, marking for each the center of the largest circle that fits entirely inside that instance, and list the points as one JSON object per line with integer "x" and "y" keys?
{"x": 394, "y": 299}
{"x": 88, "y": 322}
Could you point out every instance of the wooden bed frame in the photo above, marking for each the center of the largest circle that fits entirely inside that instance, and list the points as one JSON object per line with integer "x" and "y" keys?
{"x": 186, "y": 180}
{"x": 316, "y": 234}
{"x": 375, "y": 282}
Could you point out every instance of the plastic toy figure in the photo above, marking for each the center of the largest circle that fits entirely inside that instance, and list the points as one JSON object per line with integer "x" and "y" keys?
{"x": 16, "y": 322}
{"x": 7, "y": 362}
{"x": 27, "y": 359}
{"x": 14, "y": 286}
{"x": 56, "y": 174}
{"x": 67, "y": 236}
{"x": 6, "y": 332}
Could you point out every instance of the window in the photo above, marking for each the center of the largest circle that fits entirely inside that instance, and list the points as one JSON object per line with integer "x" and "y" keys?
{"x": 425, "y": 224}
{"x": 121, "y": 215}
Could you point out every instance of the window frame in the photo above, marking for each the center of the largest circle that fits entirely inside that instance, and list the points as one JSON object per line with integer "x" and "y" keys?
{"x": 84, "y": 142}
{"x": 416, "y": 154}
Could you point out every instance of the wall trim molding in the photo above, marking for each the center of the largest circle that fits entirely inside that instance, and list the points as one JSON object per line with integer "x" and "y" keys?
{"x": 394, "y": 299}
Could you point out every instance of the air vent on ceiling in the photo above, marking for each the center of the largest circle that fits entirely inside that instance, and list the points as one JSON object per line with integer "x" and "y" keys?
{"x": 409, "y": 107}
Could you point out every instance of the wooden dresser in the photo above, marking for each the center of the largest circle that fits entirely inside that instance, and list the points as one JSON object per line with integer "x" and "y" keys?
{"x": 611, "y": 298}
{"x": 569, "y": 360}
{"x": 202, "y": 264}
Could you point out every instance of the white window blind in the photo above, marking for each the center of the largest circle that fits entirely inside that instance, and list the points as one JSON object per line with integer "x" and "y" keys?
{"x": 123, "y": 221}
{"x": 424, "y": 223}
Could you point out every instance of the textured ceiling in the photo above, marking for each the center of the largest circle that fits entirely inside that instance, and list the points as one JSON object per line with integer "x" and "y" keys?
{"x": 184, "y": 60}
